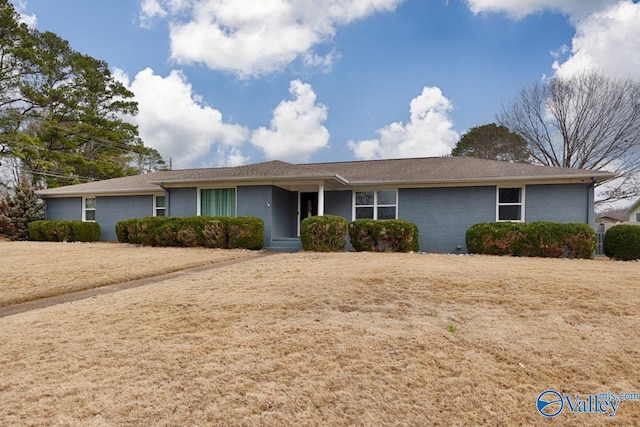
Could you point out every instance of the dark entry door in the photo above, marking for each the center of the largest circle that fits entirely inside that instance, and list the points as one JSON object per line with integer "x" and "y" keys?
{"x": 308, "y": 205}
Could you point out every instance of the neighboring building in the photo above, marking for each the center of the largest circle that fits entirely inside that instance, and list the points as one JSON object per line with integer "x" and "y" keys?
{"x": 608, "y": 219}
{"x": 444, "y": 196}
{"x": 634, "y": 212}
{"x": 612, "y": 217}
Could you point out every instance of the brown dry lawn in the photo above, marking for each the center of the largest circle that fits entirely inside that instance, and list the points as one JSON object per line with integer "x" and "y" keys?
{"x": 329, "y": 339}
{"x": 32, "y": 270}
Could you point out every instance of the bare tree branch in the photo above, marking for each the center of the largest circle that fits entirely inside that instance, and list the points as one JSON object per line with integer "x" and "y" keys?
{"x": 587, "y": 121}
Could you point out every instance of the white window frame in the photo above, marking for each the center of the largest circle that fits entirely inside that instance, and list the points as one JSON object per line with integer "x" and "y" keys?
{"x": 156, "y": 207}
{"x": 521, "y": 203}
{"x": 84, "y": 208}
{"x": 199, "y": 196}
{"x": 375, "y": 205}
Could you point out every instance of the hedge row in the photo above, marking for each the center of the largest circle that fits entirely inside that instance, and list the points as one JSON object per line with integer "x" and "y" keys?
{"x": 323, "y": 233}
{"x": 622, "y": 242}
{"x": 534, "y": 239}
{"x": 64, "y": 231}
{"x": 392, "y": 235}
{"x": 207, "y": 231}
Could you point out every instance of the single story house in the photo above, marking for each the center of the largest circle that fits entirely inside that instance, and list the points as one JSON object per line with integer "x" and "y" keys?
{"x": 633, "y": 213}
{"x": 442, "y": 195}
{"x": 608, "y": 219}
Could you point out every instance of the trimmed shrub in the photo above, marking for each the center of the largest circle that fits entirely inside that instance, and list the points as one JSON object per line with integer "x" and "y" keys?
{"x": 498, "y": 238}
{"x": 147, "y": 230}
{"x": 64, "y": 231}
{"x": 166, "y": 231}
{"x": 361, "y": 234}
{"x": 324, "y": 233}
{"x": 213, "y": 233}
{"x": 124, "y": 229}
{"x": 210, "y": 232}
{"x": 245, "y": 232}
{"x": 622, "y": 242}
{"x": 534, "y": 239}
{"x": 580, "y": 240}
{"x": 391, "y": 235}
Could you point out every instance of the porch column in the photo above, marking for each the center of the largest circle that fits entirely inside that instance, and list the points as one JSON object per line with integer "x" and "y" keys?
{"x": 321, "y": 199}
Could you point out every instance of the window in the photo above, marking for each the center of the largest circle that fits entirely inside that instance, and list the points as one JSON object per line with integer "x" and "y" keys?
{"x": 375, "y": 204}
{"x": 218, "y": 202}
{"x": 638, "y": 217}
{"x": 89, "y": 209}
{"x": 510, "y": 204}
{"x": 159, "y": 205}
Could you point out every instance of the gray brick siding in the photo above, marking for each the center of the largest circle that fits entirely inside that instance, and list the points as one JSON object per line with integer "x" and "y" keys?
{"x": 285, "y": 212}
{"x": 65, "y": 209}
{"x": 338, "y": 203}
{"x": 444, "y": 214}
{"x": 110, "y": 210}
{"x": 257, "y": 201}
{"x": 182, "y": 201}
{"x": 561, "y": 203}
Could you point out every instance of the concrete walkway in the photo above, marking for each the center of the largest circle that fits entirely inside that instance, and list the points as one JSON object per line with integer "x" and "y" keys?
{"x": 89, "y": 293}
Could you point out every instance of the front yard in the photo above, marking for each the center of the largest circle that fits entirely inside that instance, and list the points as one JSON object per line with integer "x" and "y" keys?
{"x": 322, "y": 339}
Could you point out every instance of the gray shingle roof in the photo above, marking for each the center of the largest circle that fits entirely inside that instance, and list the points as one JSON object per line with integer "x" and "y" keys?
{"x": 427, "y": 170}
{"x": 617, "y": 214}
{"x": 447, "y": 169}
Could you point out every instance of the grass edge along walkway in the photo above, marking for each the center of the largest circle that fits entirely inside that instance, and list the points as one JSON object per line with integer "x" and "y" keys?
{"x": 116, "y": 287}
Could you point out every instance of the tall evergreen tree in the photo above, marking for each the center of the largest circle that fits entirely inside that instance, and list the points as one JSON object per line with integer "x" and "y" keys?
{"x": 61, "y": 112}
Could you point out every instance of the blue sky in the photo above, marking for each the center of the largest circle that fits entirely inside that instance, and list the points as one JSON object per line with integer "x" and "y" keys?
{"x": 241, "y": 81}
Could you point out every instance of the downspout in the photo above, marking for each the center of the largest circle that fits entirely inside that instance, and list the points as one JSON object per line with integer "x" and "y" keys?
{"x": 166, "y": 200}
{"x": 591, "y": 215}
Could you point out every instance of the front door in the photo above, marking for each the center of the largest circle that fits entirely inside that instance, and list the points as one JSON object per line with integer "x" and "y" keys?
{"x": 308, "y": 205}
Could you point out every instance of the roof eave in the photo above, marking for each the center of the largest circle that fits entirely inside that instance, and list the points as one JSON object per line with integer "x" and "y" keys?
{"x": 171, "y": 182}
{"x": 112, "y": 192}
{"x": 590, "y": 178}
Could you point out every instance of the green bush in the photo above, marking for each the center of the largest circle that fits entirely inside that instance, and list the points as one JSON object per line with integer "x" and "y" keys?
{"x": 213, "y": 233}
{"x": 622, "y": 242}
{"x": 534, "y": 239}
{"x": 361, "y": 234}
{"x": 392, "y": 235}
{"x": 326, "y": 233}
{"x": 498, "y": 238}
{"x": 124, "y": 230}
{"x": 245, "y": 232}
{"x": 64, "y": 231}
{"x": 580, "y": 241}
{"x": 210, "y": 232}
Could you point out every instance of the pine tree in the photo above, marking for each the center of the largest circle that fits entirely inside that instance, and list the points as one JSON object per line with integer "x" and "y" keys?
{"x": 17, "y": 210}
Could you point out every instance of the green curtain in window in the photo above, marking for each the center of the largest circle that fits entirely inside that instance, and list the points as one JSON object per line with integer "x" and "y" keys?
{"x": 218, "y": 202}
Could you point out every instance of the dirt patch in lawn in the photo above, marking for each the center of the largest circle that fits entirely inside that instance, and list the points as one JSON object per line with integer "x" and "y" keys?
{"x": 333, "y": 339}
{"x": 33, "y": 270}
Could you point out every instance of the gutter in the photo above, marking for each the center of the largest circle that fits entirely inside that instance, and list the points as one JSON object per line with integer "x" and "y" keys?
{"x": 336, "y": 177}
{"x": 124, "y": 192}
{"x": 590, "y": 178}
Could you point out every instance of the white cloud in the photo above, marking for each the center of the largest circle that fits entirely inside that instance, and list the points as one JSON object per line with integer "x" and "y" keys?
{"x": 21, "y": 6}
{"x": 173, "y": 120}
{"x": 150, "y": 10}
{"x": 608, "y": 40}
{"x": 253, "y": 37}
{"x": 428, "y": 133}
{"x": 296, "y": 130}
{"x": 576, "y": 9}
